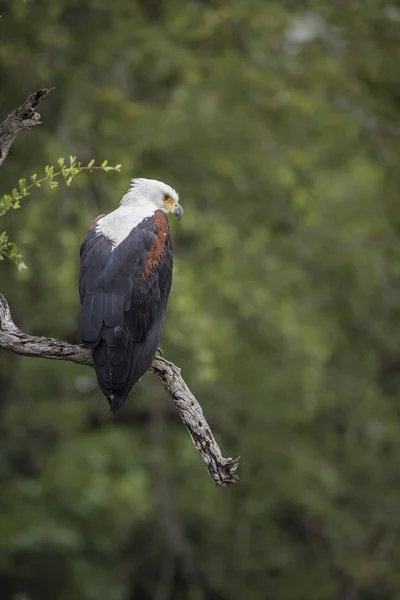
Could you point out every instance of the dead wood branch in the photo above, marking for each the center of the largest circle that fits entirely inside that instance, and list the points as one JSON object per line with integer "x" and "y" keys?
{"x": 222, "y": 470}
{"x": 23, "y": 117}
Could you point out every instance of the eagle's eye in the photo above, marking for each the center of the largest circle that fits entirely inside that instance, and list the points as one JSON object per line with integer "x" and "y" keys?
{"x": 169, "y": 202}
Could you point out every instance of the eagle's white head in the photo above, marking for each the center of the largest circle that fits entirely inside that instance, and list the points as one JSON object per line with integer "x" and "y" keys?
{"x": 144, "y": 197}
{"x": 152, "y": 193}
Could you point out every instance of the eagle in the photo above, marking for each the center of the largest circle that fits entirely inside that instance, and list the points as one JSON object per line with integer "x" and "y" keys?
{"x": 124, "y": 285}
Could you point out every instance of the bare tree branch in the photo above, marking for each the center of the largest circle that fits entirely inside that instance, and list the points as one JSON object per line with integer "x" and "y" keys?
{"x": 222, "y": 470}
{"x": 23, "y": 117}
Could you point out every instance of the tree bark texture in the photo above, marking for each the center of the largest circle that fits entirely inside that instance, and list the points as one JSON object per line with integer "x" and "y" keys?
{"x": 23, "y": 117}
{"x": 222, "y": 470}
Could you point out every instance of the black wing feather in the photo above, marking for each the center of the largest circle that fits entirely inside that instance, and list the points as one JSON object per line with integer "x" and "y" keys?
{"x": 123, "y": 306}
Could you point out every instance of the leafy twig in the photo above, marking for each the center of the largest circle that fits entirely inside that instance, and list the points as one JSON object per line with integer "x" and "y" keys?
{"x": 13, "y": 201}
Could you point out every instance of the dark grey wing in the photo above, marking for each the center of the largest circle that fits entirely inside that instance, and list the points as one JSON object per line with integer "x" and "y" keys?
{"x": 95, "y": 254}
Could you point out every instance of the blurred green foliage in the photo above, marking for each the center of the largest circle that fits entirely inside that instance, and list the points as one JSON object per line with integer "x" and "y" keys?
{"x": 279, "y": 125}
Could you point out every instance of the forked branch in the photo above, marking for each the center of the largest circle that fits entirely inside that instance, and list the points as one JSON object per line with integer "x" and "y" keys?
{"x": 222, "y": 470}
{"x": 23, "y": 117}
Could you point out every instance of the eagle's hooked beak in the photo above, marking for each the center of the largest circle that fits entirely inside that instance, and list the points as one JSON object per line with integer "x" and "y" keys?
{"x": 178, "y": 212}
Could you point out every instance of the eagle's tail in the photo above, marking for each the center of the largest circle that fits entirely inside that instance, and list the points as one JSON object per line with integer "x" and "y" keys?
{"x": 113, "y": 367}
{"x": 115, "y": 402}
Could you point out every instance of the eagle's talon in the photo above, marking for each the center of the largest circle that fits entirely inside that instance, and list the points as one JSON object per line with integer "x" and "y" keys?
{"x": 161, "y": 352}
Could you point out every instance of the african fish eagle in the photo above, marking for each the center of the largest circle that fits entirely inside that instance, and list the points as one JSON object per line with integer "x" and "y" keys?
{"x": 124, "y": 284}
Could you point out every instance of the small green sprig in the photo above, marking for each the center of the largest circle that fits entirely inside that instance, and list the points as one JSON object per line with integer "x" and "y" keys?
{"x": 64, "y": 170}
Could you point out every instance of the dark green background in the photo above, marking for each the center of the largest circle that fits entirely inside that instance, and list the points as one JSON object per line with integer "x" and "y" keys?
{"x": 279, "y": 125}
